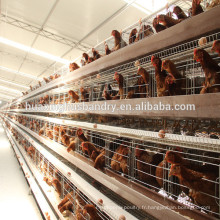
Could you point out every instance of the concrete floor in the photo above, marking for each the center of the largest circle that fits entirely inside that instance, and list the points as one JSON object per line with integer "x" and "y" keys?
{"x": 15, "y": 203}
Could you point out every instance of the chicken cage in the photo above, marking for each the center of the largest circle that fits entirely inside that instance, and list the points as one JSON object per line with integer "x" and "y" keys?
{"x": 145, "y": 162}
{"x": 69, "y": 199}
{"x": 178, "y": 132}
{"x": 143, "y": 27}
{"x": 92, "y": 88}
{"x": 162, "y": 159}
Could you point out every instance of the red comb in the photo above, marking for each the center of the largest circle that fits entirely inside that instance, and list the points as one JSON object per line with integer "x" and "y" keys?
{"x": 167, "y": 152}
{"x": 152, "y": 58}
{"x": 116, "y": 75}
{"x": 195, "y": 51}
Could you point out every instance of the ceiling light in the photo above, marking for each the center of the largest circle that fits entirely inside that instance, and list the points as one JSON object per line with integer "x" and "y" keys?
{"x": 9, "y": 89}
{"x": 33, "y": 51}
{"x": 0, "y": 102}
{"x": 15, "y": 84}
{"x": 19, "y": 73}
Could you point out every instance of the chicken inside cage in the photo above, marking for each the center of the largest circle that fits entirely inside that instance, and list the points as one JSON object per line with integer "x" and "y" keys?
{"x": 181, "y": 70}
{"x": 70, "y": 200}
{"x": 173, "y": 15}
{"x": 174, "y": 158}
{"x": 189, "y": 176}
{"x": 66, "y": 134}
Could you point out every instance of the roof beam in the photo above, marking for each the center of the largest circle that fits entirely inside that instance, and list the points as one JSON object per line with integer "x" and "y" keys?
{"x": 119, "y": 11}
{"x": 41, "y": 53}
{"x": 36, "y": 30}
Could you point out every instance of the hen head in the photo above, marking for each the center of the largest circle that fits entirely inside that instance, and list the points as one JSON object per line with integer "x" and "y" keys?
{"x": 198, "y": 55}
{"x": 149, "y": 28}
{"x": 160, "y": 19}
{"x": 216, "y": 46}
{"x": 105, "y": 93}
{"x": 196, "y": 2}
{"x": 71, "y": 66}
{"x": 166, "y": 64}
{"x": 62, "y": 130}
{"x": 124, "y": 152}
{"x": 94, "y": 155}
{"x": 55, "y": 181}
{"x": 138, "y": 151}
{"x": 116, "y": 76}
{"x": 173, "y": 157}
{"x": 66, "y": 139}
{"x": 155, "y": 22}
{"x": 106, "y": 47}
{"x": 175, "y": 170}
{"x": 176, "y": 10}
{"x": 134, "y": 31}
{"x": 70, "y": 93}
{"x": 85, "y": 55}
{"x": 79, "y": 131}
{"x": 56, "y": 76}
{"x": 85, "y": 146}
{"x": 155, "y": 61}
{"x": 115, "y": 34}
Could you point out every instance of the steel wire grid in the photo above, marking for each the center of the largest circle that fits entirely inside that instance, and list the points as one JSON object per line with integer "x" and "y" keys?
{"x": 203, "y": 136}
{"x": 48, "y": 170}
{"x": 145, "y": 21}
{"x": 126, "y": 32}
{"x": 151, "y": 170}
{"x": 181, "y": 55}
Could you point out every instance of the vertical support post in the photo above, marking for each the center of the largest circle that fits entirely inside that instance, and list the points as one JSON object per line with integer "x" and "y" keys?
{"x": 107, "y": 152}
{"x": 132, "y": 161}
{"x": 62, "y": 187}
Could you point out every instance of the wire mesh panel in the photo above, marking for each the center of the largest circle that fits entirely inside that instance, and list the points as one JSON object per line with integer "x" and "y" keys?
{"x": 142, "y": 29}
{"x": 71, "y": 199}
{"x": 132, "y": 84}
{"x": 190, "y": 176}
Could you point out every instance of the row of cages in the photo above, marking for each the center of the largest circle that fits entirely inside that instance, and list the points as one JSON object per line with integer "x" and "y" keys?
{"x": 70, "y": 199}
{"x": 132, "y": 34}
{"x": 189, "y": 176}
{"x": 142, "y": 79}
{"x": 205, "y": 129}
